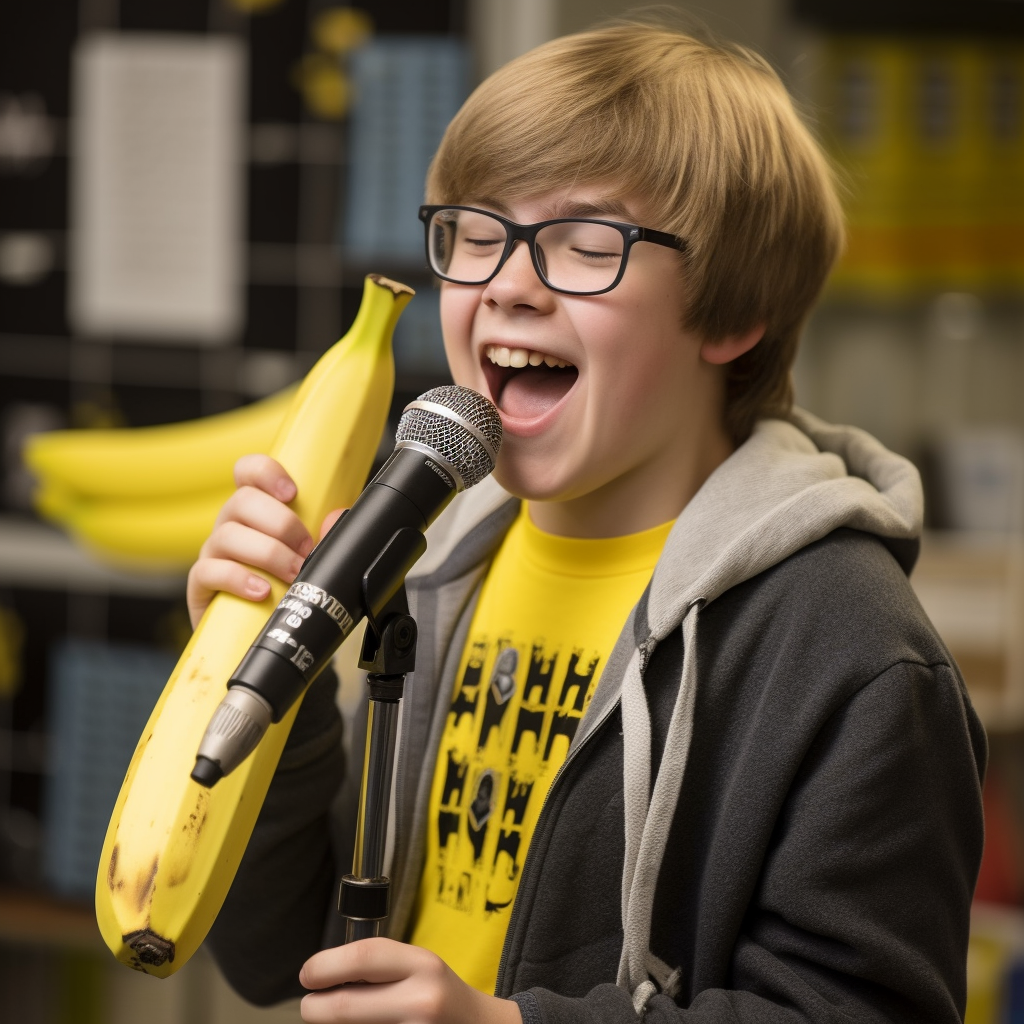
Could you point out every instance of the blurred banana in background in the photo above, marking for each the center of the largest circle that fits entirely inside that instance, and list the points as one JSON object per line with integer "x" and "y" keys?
{"x": 152, "y": 534}
{"x": 173, "y": 846}
{"x": 146, "y": 497}
{"x": 155, "y": 462}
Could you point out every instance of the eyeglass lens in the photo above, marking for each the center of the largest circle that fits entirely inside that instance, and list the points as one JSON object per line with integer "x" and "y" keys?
{"x": 575, "y": 256}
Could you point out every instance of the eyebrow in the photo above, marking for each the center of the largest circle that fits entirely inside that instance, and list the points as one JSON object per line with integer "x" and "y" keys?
{"x": 609, "y": 207}
{"x": 602, "y": 208}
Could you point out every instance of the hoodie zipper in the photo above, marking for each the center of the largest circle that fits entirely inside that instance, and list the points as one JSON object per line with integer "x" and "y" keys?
{"x": 543, "y": 829}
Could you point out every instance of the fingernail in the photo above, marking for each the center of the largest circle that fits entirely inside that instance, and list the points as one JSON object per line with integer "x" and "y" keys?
{"x": 285, "y": 490}
{"x": 306, "y": 546}
{"x": 257, "y": 587}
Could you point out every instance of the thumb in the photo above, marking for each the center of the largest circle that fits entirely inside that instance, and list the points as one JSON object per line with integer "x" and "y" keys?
{"x": 330, "y": 519}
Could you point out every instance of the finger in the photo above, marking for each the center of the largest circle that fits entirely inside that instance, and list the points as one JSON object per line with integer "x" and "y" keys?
{"x": 210, "y": 575}
{"x": 265, "y": 473}
{"x": 376, "y": 961}
{"x": 362, "y": 1004}
{"x": 236, "y": 542}
{"x": 435, "y": 995}
{"x": 329, "y": 520}
{"x": 258, "y": 510}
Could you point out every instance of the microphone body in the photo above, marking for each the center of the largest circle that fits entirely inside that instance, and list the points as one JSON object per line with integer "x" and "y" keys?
{"x": 326, "y": 600}
{"x": 384, "y": 531}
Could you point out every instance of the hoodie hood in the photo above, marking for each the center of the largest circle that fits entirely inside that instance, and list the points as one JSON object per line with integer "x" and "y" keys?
{"x": 792, "y": 483}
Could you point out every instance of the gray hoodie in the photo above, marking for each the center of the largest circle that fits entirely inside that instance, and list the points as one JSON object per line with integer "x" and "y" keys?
{"x": 802, "y": 532}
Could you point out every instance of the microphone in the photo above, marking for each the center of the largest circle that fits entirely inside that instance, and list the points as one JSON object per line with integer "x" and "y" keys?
{"x": 447, "y": 440}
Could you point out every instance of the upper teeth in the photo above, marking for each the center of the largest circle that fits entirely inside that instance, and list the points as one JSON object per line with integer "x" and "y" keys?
{"x": 502, "y": 355}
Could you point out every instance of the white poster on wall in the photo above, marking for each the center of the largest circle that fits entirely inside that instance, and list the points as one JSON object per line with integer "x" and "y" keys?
{"x": 158, "y": 187}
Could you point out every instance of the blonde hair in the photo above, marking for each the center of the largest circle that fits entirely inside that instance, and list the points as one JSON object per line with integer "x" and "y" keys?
{"x": 707, "y": 138}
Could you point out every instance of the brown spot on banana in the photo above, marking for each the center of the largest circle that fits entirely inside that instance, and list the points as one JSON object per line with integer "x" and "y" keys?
{"x": 396, "y": 287}
{"x": 185, "y": 834}
{"x": 144, "y": 886}
{"x": 113, "y": 882}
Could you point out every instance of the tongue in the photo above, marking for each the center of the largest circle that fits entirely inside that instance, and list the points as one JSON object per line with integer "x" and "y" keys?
{"x": 530, "y": 393}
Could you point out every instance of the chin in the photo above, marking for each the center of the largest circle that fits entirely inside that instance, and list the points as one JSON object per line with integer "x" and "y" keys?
{"x": 516, "y": 484}
{"x": 519, "y": 481}
{"x": 531, "y": 482}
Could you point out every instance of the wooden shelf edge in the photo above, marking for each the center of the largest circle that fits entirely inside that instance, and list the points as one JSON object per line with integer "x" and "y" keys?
{"x": 36, "y": 919}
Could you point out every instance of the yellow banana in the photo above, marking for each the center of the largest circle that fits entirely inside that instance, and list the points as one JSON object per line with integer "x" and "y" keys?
{"x": 172, "y": 846}
{"x": 155, "y": 462}
{"x": 54, "y": 502}
{"x": 154, "y": 535}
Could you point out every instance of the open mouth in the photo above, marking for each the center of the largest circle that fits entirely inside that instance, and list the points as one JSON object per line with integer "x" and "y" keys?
{"x": 525, "y": 383}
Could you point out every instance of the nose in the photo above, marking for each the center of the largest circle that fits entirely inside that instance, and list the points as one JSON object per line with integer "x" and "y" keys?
{"x": 517, "y": 285}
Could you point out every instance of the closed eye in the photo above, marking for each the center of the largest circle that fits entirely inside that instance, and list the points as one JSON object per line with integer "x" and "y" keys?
{"x": 594, "y": 256}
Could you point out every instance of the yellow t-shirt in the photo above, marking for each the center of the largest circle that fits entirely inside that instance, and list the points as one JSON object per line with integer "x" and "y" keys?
{"x": 550, "y": 611}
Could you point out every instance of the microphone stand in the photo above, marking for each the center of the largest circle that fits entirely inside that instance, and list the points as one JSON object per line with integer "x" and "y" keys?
{"x": 388, "y": 654}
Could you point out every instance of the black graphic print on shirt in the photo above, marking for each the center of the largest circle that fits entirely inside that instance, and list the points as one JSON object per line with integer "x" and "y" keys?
{"x": 509, "y": 727}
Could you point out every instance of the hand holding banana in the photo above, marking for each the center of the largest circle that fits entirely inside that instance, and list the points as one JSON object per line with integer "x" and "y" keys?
{"x": 172, "y": 846}
{"x": 255, "y": 529}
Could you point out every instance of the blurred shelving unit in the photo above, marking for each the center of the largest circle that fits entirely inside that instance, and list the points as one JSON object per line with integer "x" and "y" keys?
{"x": 36, "y": 555}
{"x": 45, "y": 921}
{"x": 920, "y": 335}
{"x": 55, "y": 967}
{"x": 920, "y": 340}
{"x": 973, "y": 591}
{"x": 299, "y": 288}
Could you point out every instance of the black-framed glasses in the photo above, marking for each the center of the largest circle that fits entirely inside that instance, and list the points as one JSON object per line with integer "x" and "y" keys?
{"x": 574, "y": 255}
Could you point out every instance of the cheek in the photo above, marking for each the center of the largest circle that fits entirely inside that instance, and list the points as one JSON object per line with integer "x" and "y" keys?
{"x": 637, "y": 349}
{"x": 636, "y": 407}
{"x": 449, "y": 305}
{"x": 646, "y": 377}
{"x": 457, "y": 310}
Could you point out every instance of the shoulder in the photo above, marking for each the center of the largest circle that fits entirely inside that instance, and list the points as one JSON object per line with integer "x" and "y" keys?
{"x": 831, "y": 642}
{"x": 813, "y": 634}
{"x": 843, "y": 603}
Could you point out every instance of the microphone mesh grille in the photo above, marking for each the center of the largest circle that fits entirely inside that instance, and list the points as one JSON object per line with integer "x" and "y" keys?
{"x": 449, "y": 438}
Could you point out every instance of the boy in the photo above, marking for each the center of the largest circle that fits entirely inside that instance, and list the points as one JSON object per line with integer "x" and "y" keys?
{"x": 767, "y": 802}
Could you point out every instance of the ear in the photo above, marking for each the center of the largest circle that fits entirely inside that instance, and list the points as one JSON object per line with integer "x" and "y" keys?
{"x": 725, "y": 350}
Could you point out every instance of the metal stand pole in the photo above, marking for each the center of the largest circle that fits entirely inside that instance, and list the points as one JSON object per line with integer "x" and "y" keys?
{"x": 389, "y": 652}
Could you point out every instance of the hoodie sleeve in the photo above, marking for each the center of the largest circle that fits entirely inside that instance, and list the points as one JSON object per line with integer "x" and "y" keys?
{"x": 861, "y": 908}
{"x": 274, "y": 916}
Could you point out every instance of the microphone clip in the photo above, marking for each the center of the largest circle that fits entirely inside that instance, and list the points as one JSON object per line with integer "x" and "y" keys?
{"x": 389, "y": 643}
{"x": 389, "y": 649}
